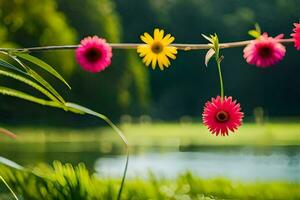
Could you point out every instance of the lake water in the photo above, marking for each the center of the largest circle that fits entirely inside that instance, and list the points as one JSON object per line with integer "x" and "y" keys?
{"x": 237, "y": 163}
{"x": 243, "y": 164}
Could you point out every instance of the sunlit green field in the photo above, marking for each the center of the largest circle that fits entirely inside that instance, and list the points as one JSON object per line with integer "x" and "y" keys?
{"x": 165, "y": 134}
{"x": 65, "y": 182}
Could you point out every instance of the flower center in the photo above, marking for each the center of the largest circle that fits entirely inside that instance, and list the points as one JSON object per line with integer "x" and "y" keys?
{"x": 222, "y": 116}
{"x": 93, "y": 54}
{"x": 157, "y": 47}
{"x": 265, "y": 51}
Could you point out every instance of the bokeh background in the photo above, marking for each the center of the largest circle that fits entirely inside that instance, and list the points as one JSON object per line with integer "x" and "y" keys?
{"x": 128, "y": 87}
{"x": 159, "y": 111}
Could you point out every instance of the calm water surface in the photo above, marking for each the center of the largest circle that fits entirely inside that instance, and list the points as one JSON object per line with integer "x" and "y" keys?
{"x": 245, "y": 164}
{"x": 237, "y": 163}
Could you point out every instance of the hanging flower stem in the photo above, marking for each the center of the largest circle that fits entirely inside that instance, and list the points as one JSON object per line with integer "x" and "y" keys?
{"x": 221, "y": 79}
{"x": 215, "y": 45}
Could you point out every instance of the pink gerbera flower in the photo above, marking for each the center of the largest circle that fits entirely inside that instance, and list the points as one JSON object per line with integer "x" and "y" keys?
{"x": 264, "y": 51}
{"x": 296, "y": 35}
{"x": 94, "y": 54}
{"x": 221, "y": 115}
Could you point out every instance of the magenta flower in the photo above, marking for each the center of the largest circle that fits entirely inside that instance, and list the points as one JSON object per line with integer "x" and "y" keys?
{"x": 221, "y": 115}
{"x": 93, "y": 54}
{"x": 296, "y": 35}
{"x": 264, "y": 51}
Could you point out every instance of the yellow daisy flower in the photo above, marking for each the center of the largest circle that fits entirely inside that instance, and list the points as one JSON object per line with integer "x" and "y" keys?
{"x": 157, "y": 49}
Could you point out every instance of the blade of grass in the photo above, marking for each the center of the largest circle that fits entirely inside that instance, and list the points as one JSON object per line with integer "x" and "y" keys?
{"x": 43, "y": 82}
{"x": 22, "y": 95}
{"x": 38, "y": 78}
{"x": 115, "y": 128}
{"x": 28, "y": 97}
{"x": 7, "y": 65}
{"x": 32, "y": 74}
{"x": 43, "y": 65}
{"x": 28, "y": 82}
{"x": 12, "y": 192}
{"x": 10, "y": 163}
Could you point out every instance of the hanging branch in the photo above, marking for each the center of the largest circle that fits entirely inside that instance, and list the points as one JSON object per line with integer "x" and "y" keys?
{"x": 185, "y": 47}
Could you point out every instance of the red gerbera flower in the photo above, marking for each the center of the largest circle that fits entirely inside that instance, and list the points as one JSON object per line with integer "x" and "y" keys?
{"x": 94, "y": 54}
{"x": 264, "y": 51}
{"x": 296, "y": 35}
{"x": 221, "y": 115}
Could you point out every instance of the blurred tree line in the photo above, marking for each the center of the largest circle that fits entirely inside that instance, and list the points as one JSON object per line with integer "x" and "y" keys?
{"x": 128, "y": 87}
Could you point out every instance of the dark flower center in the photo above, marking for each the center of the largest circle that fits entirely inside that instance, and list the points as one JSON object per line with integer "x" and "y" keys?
{"x": 93, "y": 55}
{"x": 264, "y": 51}
{"x": 157, "y": 47}
{"x": 222, "y": 116}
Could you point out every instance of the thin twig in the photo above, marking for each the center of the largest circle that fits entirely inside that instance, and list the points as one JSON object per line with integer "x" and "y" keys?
{"x": 185, "y": 47}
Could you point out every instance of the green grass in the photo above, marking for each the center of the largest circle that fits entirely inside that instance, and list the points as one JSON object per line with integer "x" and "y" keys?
{"x": 63, "y": 182}
{"x": 68, "y": 182}
{"x": 165, "y": 134}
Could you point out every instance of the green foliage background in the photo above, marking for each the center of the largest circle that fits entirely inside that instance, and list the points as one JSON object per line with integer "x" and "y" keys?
{"x": 128, "y": 87}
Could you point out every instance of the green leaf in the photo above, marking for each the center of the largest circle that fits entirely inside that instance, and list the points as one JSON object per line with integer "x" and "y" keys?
{"x": 207, "y": 38}
{"x": 28, "y": 97}
{"x": 254, "y": 33}
{"x": 216, "y": 44}
{"x": 28, "y": 82}
{"x": 84, "y": 110}
{"x": 257, "y": 28}
{"x": 5, "y": 64}
{"x": 43, "y": 82}
{"x": 43, "y": 65}
{"x": 10, "y": 163}
{"x": 210, "y": 53}
{"x": 35, "y": 76}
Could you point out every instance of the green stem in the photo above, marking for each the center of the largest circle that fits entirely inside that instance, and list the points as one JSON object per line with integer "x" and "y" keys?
{"x": 221, "y": 79}
{"x": 15, "y": 196}
{"x": 111, "y": 124}
{"x": 79, "y": 108}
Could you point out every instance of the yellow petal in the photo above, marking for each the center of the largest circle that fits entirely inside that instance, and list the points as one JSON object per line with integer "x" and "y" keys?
{"x": 165, "y": 61}
{"x": 147, "y": 59}
{"x": 147, "y": 38}
{"x": 160, "y": 64}
{"x": 158, "y": 34}
{"x": 169, "y": 54}
{"x": 154, "y": 62}
{"x": 143, "y": 50}
{"x": 168, "y": 39}
{"x": 161, "y": 34}
{"x": 172, "y": 49}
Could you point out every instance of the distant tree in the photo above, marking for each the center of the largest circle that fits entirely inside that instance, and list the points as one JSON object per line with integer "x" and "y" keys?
{"x": 26, "y": 23}
{"x": 121, "y": 88}
{"x": 32, "y": 23}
